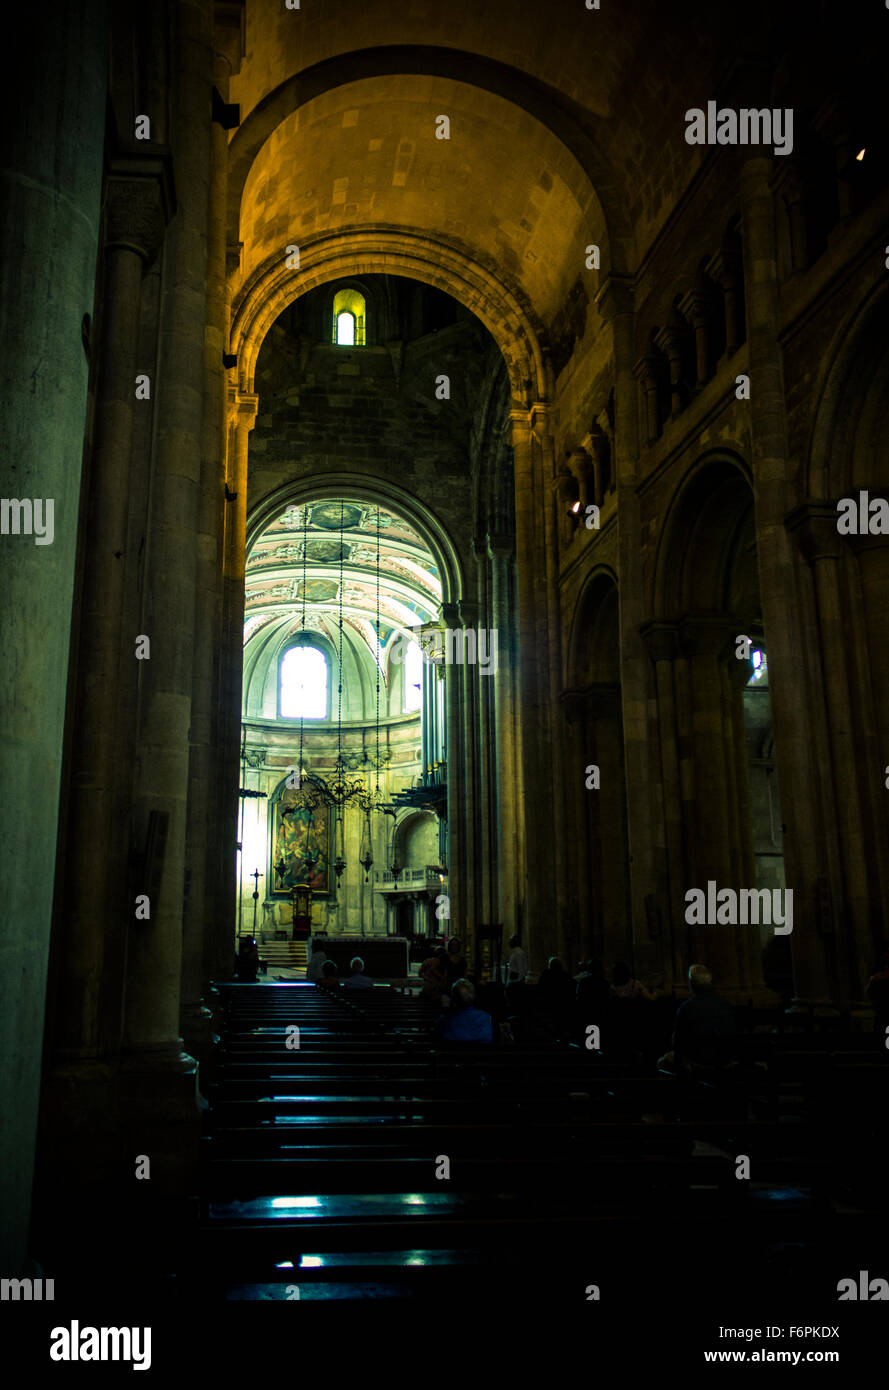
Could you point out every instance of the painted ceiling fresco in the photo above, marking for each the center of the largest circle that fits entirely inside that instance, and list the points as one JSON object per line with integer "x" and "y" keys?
{"x": 304, "y": 542}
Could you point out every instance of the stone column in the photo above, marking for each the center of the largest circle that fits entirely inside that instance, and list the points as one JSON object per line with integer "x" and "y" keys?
{"x": 642, "y": 795}
{"x": 825, "y": 549}
{"x": 792, "y": 682}
{"x": 872, "y": 556}
{"x": 695, "y": 307}
{"x": 241, "y": 416}
{"x": 551, "y": 654}
{"x": 51, "y": 183}
{"x": 645, "y": 372}
{"x": 154, "y": 1057}
{"x": 205, "y": 956}
{"x": 725, "y": 270}
{"x": 507, "y": 737}
{"x": 138, "y": 200}
{"x": 788, "y": 183}
{"x": 456, "y": 771}
{"x": 533, "y": 688}
{"x": 669, "y": 340}
{"x": 662, "y": 640}
{"x": 465, "y": 682}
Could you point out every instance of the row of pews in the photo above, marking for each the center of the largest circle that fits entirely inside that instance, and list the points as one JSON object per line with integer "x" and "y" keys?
{"x": 348, "y": 1155}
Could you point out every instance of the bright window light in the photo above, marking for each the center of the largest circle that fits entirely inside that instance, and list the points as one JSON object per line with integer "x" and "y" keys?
{"x": 760, "y": 673}
{"x": 345, "y": 329}
{"x": 304, "y": 684}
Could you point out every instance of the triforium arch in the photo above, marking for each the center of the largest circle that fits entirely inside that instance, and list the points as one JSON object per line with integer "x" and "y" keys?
{"x": 707, "y": 623}
{"x": 594, "y": 751}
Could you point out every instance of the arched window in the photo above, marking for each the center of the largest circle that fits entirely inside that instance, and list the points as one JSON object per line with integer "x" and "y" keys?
{"x": 348, "y": 318}
{"x": 413, "y": 679}
{"x": 303, "y": 683}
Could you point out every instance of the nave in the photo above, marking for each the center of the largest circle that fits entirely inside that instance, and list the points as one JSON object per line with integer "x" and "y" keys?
{"x": 572, "y": 1176}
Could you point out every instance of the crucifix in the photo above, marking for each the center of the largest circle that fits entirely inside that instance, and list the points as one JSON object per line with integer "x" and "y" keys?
{"x": 256, "y": 876}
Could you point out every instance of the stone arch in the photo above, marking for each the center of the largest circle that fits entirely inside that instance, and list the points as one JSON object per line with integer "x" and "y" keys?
{"x": 847, "y": 448}
{"x": 414, "y": 256}
{"x": 698, "y": 542}
{"x": 529, "y": 95}
{"x": 376, "y": 491}
{"x": 705, "y": 595}
{"x": 595, "y": 614}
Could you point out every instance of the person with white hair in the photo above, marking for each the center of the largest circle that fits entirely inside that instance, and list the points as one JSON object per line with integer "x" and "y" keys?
{"x": 702, "y": 1018}
{"x": 357, "y": 979}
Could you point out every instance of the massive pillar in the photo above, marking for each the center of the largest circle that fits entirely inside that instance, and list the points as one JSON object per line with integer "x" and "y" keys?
{"x": 51, "y": 185}
{"x": 790, "y": 678}
{"x": 202, "y": 952}
{"x": 154, "y": 1064}
{"x": 537, "y": 868}
{"x": 96, "y": 912}
{"x": 507, "y": 745}
{"x": 241, "y": 410}
{"x": 616, "y": 305}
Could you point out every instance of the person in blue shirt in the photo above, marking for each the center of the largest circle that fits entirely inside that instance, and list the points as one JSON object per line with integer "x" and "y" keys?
{"x": 463, "y": 1022}
{"x": 357, "y": 979}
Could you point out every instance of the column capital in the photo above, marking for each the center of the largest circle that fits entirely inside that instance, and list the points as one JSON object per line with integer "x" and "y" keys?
{"x": 695, "y": 306}
{"x": 520, "y": 421}
{"x": 661, "y": 639}
{"x": 788, "y": 180}
{"x": 501, "y": 545}
{"x": 710, "y": 634}
{"x": 233, "y": 257}
{"x": 242, "y": 408}
{"x": 139, "y": 200}
{"x": 814, "y": 527}
{"x": 724, "y": 268}
{"x": 645, "y": 370}
{"x": 615, "y": 296}
{"x": 600, "y": 700}
{"x": 538, "y": 416}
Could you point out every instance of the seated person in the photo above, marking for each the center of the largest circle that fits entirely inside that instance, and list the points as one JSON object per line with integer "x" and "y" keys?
{"x": 593, "y": 994}
{"x": 702, "y": 1018}
{"x": 313, "y": 969}
{"x": 247, "y": 960}
{"x": 624, "y": 986}
{"x": 517, "y": 965}
{"x": 357, "y": 979}
{"x": 463, "y": 1022}
{"x": 434, "y": 974}
{"x": 456, "y": 962}
{"x": 329, "y": 977}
